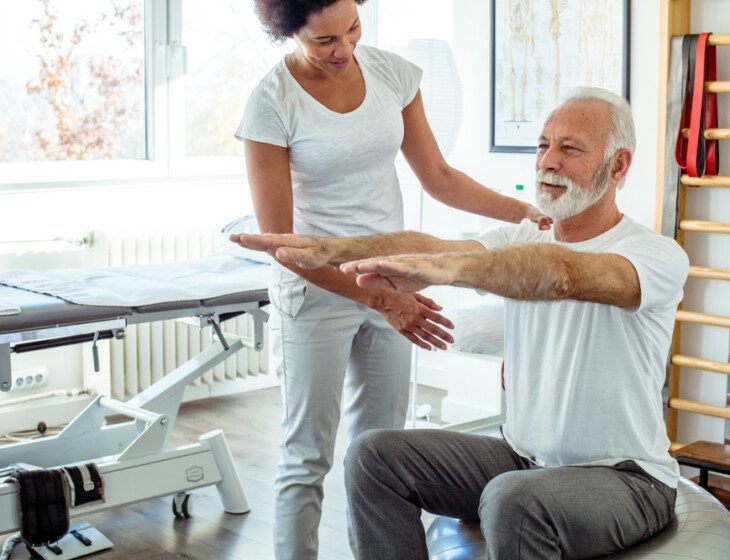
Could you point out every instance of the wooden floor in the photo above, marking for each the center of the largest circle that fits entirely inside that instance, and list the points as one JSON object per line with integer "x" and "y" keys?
{"x": 149, "y": 531}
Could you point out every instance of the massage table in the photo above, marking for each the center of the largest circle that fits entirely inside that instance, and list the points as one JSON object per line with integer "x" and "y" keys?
{"x": 133, "y": 456}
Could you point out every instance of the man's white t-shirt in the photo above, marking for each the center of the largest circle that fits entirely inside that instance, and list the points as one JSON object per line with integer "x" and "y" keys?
{"x": 583, "y": 380}
{"x": 342, "y": 165}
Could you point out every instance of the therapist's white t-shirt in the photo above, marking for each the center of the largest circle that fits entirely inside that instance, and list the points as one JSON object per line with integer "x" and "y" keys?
{"x": 583, "y": 380}
{"x": 342, "y": 165}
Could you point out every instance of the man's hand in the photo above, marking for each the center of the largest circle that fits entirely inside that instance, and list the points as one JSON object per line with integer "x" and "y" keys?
{"x": 415, "y": 317}
{"x": 303, "y": 250}
{"x": 403, "y": 273}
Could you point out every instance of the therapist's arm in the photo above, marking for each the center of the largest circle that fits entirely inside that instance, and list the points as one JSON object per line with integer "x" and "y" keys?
{"x": 532, "y": 272}
{"x": 414, "y": 316}
{"x": 310, "y": 251}
{"x": 449, "y": 185}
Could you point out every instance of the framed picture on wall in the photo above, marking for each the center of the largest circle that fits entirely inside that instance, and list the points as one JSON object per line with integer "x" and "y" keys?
{"x": 543, "y": 48}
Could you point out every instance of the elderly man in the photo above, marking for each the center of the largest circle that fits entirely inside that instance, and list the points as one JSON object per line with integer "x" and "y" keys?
{"x": 583, "y": 468}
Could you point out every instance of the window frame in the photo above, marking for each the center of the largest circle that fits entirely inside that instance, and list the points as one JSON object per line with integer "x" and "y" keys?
{"x": 188, "y": 166}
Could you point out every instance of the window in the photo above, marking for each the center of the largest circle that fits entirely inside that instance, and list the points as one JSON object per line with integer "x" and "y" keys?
{"x": 227, "y": 54}
{"x": 126, "y": 89}
{"x": 73, "y": 87}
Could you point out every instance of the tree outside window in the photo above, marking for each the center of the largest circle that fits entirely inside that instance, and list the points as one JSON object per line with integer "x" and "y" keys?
{"x": 72, "y": 80}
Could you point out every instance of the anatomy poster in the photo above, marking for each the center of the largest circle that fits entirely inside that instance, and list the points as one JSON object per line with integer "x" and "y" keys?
{"x": 543, "y": 48}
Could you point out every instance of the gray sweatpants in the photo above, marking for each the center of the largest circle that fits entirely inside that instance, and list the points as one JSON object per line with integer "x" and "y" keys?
{"x": 324, "y": 344}
{"x": 526, "y": 512}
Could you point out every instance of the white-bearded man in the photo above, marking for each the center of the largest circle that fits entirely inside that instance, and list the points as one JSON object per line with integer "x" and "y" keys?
{"x": 584, "y": 467}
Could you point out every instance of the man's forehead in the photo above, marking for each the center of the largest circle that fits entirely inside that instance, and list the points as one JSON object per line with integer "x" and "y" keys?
{"x": 580, "y": 119}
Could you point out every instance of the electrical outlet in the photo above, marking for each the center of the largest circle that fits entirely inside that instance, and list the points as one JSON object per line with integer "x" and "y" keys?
{"x": 29, "y": 379}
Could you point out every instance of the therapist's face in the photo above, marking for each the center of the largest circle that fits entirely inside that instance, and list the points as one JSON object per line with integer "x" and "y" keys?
{"x": 328, "y": 39}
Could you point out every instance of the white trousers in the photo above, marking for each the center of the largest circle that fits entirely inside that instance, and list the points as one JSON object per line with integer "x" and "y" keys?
{"x": 321, "y": 343}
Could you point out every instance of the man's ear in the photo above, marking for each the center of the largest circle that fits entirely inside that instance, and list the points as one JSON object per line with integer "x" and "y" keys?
{"x": 621, "y": 163}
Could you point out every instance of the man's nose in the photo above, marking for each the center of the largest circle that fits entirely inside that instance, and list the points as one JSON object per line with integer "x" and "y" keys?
{"x": 549, "y": 160}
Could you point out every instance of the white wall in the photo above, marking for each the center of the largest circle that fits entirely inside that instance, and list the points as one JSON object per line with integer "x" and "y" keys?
{"x": 44, "y": 214}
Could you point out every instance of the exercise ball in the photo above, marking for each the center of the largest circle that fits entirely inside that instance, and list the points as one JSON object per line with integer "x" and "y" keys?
{"x": 700, "y": 530}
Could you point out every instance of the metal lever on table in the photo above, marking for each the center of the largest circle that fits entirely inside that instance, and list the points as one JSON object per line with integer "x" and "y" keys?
{"x": 213, "y": 322}
{"x": 95, "y": 352}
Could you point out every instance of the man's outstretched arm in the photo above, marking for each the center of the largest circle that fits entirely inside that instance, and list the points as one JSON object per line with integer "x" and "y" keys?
{"x": 535, "y": 272}
{"x": 315, "y": 252}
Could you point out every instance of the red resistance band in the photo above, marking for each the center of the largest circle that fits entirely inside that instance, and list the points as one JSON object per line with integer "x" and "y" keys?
{"x": 696, "y": 155}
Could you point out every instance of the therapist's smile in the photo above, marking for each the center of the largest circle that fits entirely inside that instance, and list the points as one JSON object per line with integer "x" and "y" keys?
{"x": 341, "y": 63}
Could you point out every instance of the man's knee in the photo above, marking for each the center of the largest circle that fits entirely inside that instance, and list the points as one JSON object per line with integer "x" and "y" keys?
{"x": 364, "y": 453}
{"x": 508, "y": 499}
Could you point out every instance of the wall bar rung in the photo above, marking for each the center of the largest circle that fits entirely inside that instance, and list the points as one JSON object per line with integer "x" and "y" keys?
{"x": 706, "y": 181}
{"x": 700, "y": 408}
{"x": 712, "y": 273}
{"x": 711, "y": 133}
{"x": 706, "y": 227}
{"x": 719, "y": 39}
{"x": 701, "y": 363}
{"x": 717, "y": 87}
{"x": 702, "y": 318}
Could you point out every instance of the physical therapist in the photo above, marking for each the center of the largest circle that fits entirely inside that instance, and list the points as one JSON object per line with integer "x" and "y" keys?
{"x": 322, "y": 130}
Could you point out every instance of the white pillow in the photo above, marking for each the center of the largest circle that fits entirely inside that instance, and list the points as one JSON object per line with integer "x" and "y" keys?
{"x": 246, "y": 224}
{"x": 479, "y": 329}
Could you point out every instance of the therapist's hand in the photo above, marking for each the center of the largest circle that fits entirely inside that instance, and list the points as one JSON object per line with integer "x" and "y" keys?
{"x": 415, "y": 317}
{"x": 537, "y": 217}
{"x": 403, "y": 273}
{"x": 303, "y": 250}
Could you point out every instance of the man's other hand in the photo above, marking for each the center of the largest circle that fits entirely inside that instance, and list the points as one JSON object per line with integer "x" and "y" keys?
{"x": 402, "y": 273}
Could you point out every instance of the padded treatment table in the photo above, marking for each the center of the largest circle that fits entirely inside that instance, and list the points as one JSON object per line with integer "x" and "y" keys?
{"x": 133, "y": 457}
{"x": 46, "y": 321}
{"x": 700, "y": 530}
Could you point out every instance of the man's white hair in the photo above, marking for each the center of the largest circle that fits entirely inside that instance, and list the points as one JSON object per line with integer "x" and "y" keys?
{"x": 623, "y": 133}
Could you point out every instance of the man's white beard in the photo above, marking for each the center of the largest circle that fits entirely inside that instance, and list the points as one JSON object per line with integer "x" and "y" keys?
{"x": 574, "y": 199}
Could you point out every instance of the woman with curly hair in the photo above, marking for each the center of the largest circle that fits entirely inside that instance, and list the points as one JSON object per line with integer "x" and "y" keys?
{"x": 322, "y": 130}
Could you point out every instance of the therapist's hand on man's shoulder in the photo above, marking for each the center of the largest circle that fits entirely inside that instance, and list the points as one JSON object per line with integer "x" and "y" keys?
{"x": 302, "y": 250}
{"x": 537, "y": 217}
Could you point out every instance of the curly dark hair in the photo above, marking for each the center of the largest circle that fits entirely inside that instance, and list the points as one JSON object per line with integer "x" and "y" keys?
{"x": 283, "y": 18}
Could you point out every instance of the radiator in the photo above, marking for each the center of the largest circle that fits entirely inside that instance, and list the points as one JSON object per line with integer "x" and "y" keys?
{"x": 151, "y": 350}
